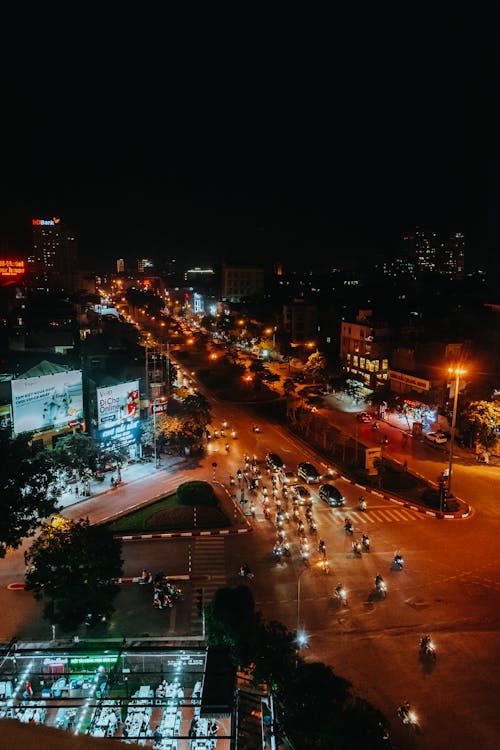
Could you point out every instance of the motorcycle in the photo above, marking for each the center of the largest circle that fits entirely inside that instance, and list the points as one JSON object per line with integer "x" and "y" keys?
{"x": 304, "y": 553}
{"x": 380, "y": 587}
{"x": 245, "y": 572}
{"x": 356, "y": 548}
{"x": 427, "y": 649}
{"x": 340, "y": 595}
{"x": 312, "y": 526}
{"x": 407, "y": 716}
{"x": 348, "y": 527}
{"x": 398, "y": 562}
{"x": 365, "y": 541}
{"x": 362, "y": 504}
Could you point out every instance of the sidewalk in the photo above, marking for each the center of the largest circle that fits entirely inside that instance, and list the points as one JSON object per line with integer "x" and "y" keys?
{"x": 142, "y": 484}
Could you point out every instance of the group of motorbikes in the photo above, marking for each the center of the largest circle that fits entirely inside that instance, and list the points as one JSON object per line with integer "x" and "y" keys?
{"x": 165, "y": 592}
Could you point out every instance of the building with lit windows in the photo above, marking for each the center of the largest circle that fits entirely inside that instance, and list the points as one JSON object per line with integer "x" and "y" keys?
{"x": 52, "y": 263}
{"x": 451, "y": 256}
{"x": 364, "y": 349}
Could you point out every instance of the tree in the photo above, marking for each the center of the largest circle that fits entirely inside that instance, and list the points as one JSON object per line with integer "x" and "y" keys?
{"x": 482, "y": 420}
{"x": 73, "y": 567}
{"x": 230, "y": 621}
{"x": 315, "y": 368}
{"x": 289, "y": 386}
{"x": 77, "y": 453}
{"x": 195, "y": 408}
{"x": 28, "y": 488}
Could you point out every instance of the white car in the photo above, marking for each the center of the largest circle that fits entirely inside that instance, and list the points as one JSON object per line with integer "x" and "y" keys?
{"x": 438, "y": 438}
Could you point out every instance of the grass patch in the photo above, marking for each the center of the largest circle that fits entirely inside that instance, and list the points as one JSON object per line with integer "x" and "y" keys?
{"x": 167, "y": 514}
{"x": 139, "y": 519}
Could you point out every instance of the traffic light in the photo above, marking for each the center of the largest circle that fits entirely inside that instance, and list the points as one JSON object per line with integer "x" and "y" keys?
{"x": 198, "y": 600}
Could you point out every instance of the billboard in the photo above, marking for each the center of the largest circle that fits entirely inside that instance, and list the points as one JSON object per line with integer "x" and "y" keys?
{"x": 118, "y": 413}
{"x": 47, "y": 401}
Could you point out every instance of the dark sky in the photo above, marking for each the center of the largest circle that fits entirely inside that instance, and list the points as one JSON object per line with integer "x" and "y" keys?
{"x": 251, "y": 136}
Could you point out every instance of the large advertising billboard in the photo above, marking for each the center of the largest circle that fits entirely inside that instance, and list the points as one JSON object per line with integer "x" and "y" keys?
{"x": 118, "y": 413}
{"x": 47, "y": 401}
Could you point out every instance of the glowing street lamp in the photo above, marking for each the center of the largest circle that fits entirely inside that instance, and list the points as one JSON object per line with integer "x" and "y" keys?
{"x": 457, "y": 372}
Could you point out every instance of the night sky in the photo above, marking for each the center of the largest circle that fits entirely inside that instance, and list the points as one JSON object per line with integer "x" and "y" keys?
{"x": 249, "y": 136}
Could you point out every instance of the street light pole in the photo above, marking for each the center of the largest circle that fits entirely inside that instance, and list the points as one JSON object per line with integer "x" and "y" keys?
{"x": 298, "y": 596}
{"x": 154, "y": 431}
{"x": 457, "y": 372}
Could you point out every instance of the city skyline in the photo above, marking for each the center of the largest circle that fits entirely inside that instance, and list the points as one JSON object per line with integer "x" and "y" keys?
{"x": 250, "y": 146}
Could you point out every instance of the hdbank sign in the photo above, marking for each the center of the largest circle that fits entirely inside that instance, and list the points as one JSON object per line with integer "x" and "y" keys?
{"x": 118, "y": 413}
{"x": 47, "y": 401}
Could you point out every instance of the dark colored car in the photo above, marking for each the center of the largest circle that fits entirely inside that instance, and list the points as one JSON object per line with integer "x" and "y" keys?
{"x": 331, "y": 495}
{"x": 308, "y": 472}
{"x": 274, "y": 461}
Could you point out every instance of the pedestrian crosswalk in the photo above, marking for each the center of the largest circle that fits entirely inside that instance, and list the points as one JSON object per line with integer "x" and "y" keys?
{"x": 374, "y": 515}
{"x": 207, "y": 571}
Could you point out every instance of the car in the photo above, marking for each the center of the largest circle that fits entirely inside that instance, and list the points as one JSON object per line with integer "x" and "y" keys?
{"x": 364, "y": 416}
{"x": 331, "y": 495}
{"x": 437, "y": 438}
{"x": 274, "y": 461}
{"x": 302, "y": 493}
{"x": 288, "y": 477}
{"x": 308, "y": 472}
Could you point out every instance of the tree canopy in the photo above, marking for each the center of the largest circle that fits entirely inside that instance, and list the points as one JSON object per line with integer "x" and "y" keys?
{"x": 73, "y": 567}
{"x": 27, "y": 488}
{"x": 482, "y": 420}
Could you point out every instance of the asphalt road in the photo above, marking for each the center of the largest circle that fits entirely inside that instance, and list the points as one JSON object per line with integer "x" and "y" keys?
{"x": 450, "y": 587}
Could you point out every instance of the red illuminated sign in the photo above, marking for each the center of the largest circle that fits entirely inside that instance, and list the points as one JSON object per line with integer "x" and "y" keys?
{"x": 45, "y": 222}
{"x": 12, "y": 267}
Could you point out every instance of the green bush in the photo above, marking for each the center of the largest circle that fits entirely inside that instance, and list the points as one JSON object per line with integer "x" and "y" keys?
{"x": 196, "y": 493}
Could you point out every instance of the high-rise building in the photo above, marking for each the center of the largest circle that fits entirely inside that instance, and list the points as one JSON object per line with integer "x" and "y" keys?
{"x": 120, "y": 265}
{"x": 422, "y": 247}
{"x": 452, "y": 256}
{"x": 424, "y": 252}
{"x": 239, "y": 282}
{"x": 144, "y": 265}
{"x": 53, "y": 261}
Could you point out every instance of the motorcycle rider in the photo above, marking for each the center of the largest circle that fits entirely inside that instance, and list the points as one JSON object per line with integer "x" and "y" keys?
{"x": 426, "y": 646}
{"x": 245, "y": 571}
{"x": 378, "y": 581}
{"x": 365, "y": 540}
{"x": 322, "y": 547}
{"x": 362, "y": 503}
{"x": 340, "y": 593}
{"x": 404, "y": 710}
{"x": 348, "y": 525}
{"x": 398, "y": 560}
